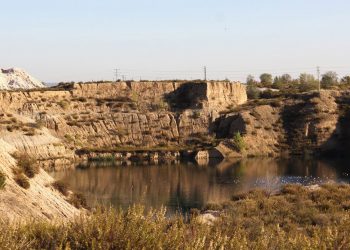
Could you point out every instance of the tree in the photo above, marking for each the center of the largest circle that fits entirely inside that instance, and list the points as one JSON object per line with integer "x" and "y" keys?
{"x": 329, "y": 78}
{"x": 266, "y": 79}
{"x": 280, "y": 81}
{"x": 286, "y": 78}
{"x": 251, "y": 80}
{"x": 305, "y": 78}
{"x": 252, "y": 90}
{"x": 307, "y": 82}
{"x": 345, "y": 80}
{"x": 277, "y": 82}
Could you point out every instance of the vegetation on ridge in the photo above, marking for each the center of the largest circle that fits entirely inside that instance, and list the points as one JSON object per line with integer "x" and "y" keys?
{"x": 285, "y": 84}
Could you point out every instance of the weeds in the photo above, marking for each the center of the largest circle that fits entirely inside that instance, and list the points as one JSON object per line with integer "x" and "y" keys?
{"x": 296, "y": 218}
{"x": 61, "y": 187}
{"x": 2, "y": 180}
{"x": 28, "y": 165}
{"x": 78, "y": 200}
{"x": 255, "y": 220}
{"x": 238, "y": 142}
{"x": 21, "y": 179}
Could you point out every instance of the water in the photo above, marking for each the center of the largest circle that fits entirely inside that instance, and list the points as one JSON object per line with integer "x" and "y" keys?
{"x": 184, "y": 186}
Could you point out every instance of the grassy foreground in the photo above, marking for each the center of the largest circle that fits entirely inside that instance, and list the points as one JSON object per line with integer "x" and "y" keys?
{"x": 297, "y": 218}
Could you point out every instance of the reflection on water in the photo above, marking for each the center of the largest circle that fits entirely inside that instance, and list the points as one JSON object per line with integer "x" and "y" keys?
{"x": 185, "y": 186}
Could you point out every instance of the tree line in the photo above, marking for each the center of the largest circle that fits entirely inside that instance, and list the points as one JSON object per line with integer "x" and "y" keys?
{"x": 305, "y": 82}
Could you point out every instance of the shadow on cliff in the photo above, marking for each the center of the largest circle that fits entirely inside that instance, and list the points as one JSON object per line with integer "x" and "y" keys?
{"x": 338, "y": 144}
{"x": 300, "y": 116}
{"x": 295, "y": 119}
{"x": 188, "y": 95}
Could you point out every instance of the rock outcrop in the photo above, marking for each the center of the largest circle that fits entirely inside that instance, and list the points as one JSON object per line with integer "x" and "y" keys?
{"x": 40, "y": 201}
{"x": 115, "y": 115}
{"x": 303, "y": 124}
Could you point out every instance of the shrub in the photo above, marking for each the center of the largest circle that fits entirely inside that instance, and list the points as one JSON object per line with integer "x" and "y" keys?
{"x": 21, "y": 180}
{"x": 30, "y": 132}
{"x": 69, "y": 138}
{"x": 28, "y": 165}
{"x": 195, "y": 115}
{"x": 63, "y": 104}
{"x": 238, "y": 142}
{"x": 39, "y": 124}
{"x": 82, "y": 99}
{"x": 2, "y": 180}
{"x": 78, "y": 200}
{"x": 255, "y": 220}
{"x": 253, "y": 92}
{"x": 61, "y": 187}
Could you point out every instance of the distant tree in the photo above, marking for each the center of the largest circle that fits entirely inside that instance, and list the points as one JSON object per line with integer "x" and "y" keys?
{"x": 307, "y": 82}
{"x": 305, "y": 78}
{"x": 345, "y": 80}
{"x": 286, "y": 78}
{"x": 281, "y": 81}
{"x": 266, "y": 79}
{"x": 277, "y": 82}
{"x": 251, "y": 80}
{"x": 328, "y": 79}
{"x": 252, "y": 89}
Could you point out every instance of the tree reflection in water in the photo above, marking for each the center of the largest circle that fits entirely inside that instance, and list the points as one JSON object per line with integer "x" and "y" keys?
{"x": 184, "y": 186}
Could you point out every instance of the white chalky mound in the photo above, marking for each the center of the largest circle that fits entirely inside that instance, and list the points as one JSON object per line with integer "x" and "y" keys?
{"x": 18, "y": 79}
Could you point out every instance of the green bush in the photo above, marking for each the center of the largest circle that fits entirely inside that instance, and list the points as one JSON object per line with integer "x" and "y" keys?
{"x": 238, "y": 142}
{"x": 2, "y": 180}
{"x": 253, "y": 92}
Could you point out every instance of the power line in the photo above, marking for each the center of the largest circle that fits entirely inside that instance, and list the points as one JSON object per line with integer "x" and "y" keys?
{"x": 116, "y": 74}
{"x": 318, "y": 78}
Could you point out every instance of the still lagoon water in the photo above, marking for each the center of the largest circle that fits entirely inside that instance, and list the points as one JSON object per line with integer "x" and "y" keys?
{"x": 180, "y": 187}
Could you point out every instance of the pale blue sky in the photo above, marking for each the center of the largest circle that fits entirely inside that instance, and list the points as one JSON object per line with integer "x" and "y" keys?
{"x": 85, "y": 40}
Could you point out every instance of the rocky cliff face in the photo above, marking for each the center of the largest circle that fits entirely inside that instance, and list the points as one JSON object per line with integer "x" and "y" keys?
{"x": 54, "y": 124}
{"x": 301, "y": 124}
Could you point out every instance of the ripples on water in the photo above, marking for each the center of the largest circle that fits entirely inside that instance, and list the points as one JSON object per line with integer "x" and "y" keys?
{"x": 184, "y": 186}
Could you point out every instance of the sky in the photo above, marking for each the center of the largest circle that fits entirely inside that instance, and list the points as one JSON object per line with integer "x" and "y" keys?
{"x": 83, "y": 40}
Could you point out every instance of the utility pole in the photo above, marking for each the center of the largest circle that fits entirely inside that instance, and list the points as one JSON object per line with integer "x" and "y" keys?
{"x": 116, "y": 74}
{"x": 205, "y": 73}
{"x": 318, "y": 79}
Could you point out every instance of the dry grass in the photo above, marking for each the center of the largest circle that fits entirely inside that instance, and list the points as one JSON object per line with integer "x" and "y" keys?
{"x": 295, "y": 219}
{"x": 21, "y": 179}
{"x": 78, "y": 200}
{"x": 61, "y": 187}
{"x": 2, "y": 180}
{"x": 27, "y": 164}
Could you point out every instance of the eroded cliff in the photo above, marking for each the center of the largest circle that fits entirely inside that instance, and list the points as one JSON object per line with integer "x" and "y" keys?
{"x": 56, "y": 123}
